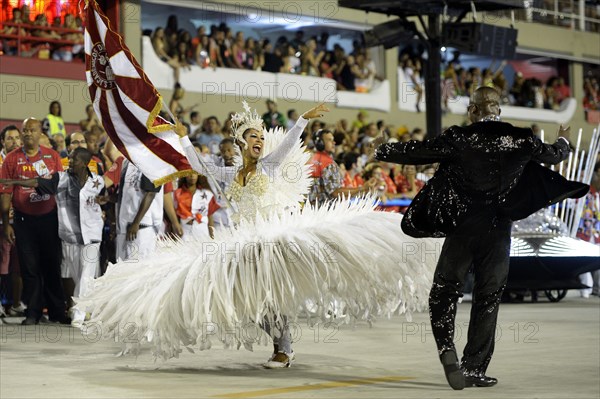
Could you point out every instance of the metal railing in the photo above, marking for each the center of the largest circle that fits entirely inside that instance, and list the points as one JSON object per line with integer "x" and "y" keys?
{"x": 24, "y": 35}
{"x": 571, "y": 14}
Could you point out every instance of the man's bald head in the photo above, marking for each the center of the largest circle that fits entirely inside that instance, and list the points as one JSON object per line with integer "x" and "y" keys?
{"x": 485, "y": 101}
{"x": 32, "y": 121}
{"x": 31, "y": 133}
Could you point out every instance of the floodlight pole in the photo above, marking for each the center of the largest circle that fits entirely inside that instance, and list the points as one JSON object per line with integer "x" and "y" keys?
{"x": 433, "y": 81}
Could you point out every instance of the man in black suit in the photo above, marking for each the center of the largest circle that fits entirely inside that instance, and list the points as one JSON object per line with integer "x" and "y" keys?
{"x": 488, "y": 177}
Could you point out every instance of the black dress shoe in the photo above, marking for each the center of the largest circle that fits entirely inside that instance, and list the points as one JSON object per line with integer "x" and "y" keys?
{"x": 29, "y": 321}
{"x": 483, "y": 381}
{"x": 454, "y": 375}
{"x": 61, "y": 320}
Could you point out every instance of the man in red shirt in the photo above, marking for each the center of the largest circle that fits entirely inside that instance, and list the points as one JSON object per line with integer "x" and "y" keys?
{"x": 327, "y": 179}
{"x": 35, "y": 225}
{"x": 10, "y": 138}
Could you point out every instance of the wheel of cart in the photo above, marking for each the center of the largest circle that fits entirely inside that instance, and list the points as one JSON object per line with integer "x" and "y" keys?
{"x": 555, "y": 295}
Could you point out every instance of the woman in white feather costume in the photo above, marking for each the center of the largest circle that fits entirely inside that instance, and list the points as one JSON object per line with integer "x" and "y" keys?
{"x": 274, "y": 260}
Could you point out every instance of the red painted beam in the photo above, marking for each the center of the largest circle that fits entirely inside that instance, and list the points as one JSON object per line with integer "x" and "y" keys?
{"x": 10, "y": 65}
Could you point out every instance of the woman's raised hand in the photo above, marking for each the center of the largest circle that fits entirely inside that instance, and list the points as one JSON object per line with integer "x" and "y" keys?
{"x": 316, "y": 112}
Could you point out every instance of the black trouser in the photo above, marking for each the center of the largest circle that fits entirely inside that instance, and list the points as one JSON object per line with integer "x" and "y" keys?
{"x": 489, "y": 254}
{"x": 40, "y": 255}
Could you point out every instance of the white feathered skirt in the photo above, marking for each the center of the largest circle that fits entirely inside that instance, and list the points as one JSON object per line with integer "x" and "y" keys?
{"x": 187, "y": 293}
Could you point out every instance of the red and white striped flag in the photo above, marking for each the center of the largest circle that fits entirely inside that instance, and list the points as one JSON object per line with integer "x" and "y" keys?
{"x": 128, "y": 104}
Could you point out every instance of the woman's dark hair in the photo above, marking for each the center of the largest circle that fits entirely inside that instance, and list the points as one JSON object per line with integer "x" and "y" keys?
{"x": 350, "y": 158}
{"x": 59, "y": 107}
{"x": 369, "y": 169}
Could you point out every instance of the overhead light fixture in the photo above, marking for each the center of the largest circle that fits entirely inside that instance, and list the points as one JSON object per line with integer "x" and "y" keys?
{"x": 390, "y": 34}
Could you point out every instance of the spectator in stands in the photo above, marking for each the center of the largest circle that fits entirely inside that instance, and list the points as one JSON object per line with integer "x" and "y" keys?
{"x": 326, "y": 67}
{"x": 384, "y": 186}
{"x": 370, "y": 134}
{"x": 311, "y": 59}
{"x": 591, "y": 95}
{"x": 54, "y": 123}
{"x": 35, "y": 225}
{"x": 195, "y": 125}
{"x": 291, "y": 62}
{"x": 65, "y": 53}
{"x": 363, "y": 75}
{"x": 160, "y": 48}
{"x": 273, "y": 118}
{"x": 77, "y": 140}
{"x": 45, "y": 141}
{"x": 352, "y": 175}
{"x": 195, "y": 205}
{"x": 172, "y": 25}
{"x": 10, "y": 46}
{"x": 361, "y": 120}
{"x": 252, "y": 59}
{"x": 211, "y": 136}
{"x": 91, "y": 119}
{"x": 322, "y": 43}
{"x": 474, "y": 80}
{"x": 238, "y": 51}
{"x": 343, "y": 69}
{"x": 407, "y": 182}
{"x": 273, "y": 61}
{"x": 42, "y": 22}
{"x": 10, "y": 139}
{"x": 26, "y": 14}
{"x": 181, "y": 54}
{"x": 60, "y": 145}
{"x": 227, "y": 129}
{"x": 292, "y": 118}
{"x": 298, "y": 39}
{"x": 198, "y": 39}
{"x": 327, "y": 179}
{"x": 561, "y": 91}
{"x": 413, "y": 75}
{"x": 426, "y": 173}
{"x": 516, "y": 89}
{"x": 175, "y": 105}
{"x": 202, "y": 53}
{"x": 417, "y": 134}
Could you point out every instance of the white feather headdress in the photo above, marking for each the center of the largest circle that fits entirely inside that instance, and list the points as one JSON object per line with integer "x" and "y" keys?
{"x": 249, "y": 119}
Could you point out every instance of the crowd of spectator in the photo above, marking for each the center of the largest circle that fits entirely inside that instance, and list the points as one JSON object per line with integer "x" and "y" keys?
{"x": 221, "y": 47}
{"x": 462, "y": 80}
{"x": 62, "y": 40}
{"x": 591, "y": 93}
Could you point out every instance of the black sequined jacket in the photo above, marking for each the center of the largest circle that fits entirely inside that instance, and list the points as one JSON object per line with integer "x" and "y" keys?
{"x": 489, "y": 173}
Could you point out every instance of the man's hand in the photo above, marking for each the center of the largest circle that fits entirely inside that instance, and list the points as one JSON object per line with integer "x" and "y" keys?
{"x": 316, "y": 112}
{"x": 9, "y": 234}
{"x": 379, "y": 140}
{"x": 382, "y": 138}
{"x": 180, "y": 129}
{"x": 564, "y": 132}
{"x": 132, "y": 231}
{"x": 177, "y": 229}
